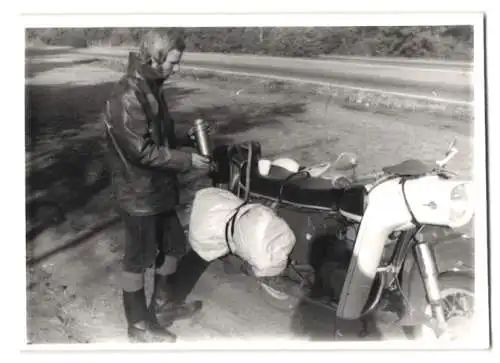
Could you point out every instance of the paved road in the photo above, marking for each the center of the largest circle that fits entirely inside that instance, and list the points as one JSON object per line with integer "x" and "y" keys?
{"x": 441, "y": 81}
{"x": 402, "y": 61}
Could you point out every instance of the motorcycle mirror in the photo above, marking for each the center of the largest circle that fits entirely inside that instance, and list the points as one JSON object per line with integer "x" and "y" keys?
{"x": 452, "y": 146}
{"x": 450, "y": 154}
{"x": 346, "y": 161}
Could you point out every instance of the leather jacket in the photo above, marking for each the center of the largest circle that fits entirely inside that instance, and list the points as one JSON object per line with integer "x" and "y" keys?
{"x": 143, "y": 154}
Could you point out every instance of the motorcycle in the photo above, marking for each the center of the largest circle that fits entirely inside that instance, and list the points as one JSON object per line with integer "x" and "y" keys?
{"x": 387, "y": 241}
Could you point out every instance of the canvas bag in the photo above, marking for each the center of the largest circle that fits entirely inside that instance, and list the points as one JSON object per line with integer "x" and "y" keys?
{"x": 221, "y": 223}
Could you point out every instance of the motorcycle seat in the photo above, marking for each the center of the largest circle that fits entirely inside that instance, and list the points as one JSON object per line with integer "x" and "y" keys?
{"x": 299, "y": 189}
{"x": 411, "y": 167}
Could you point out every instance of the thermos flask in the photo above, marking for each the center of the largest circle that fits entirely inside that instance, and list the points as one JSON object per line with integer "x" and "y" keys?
{"x": 200, "y": 132}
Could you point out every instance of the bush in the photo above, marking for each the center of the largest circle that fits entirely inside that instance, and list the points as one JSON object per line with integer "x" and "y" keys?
{"x": 75, "y": 37}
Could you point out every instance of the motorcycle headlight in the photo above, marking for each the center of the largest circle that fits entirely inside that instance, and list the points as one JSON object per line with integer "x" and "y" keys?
{"x": 436, "y": 201}
{"x": 461, "y": 209}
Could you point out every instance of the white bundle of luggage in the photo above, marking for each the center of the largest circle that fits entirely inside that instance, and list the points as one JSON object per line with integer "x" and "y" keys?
{"x": 259, "y": 236}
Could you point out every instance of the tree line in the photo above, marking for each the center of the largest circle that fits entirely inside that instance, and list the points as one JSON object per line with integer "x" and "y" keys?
{"x": 442, "y": 42}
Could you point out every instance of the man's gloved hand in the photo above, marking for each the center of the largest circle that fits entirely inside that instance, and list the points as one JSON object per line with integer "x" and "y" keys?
{"x": 186, "y": 141}
{"x": 200, "y": 161}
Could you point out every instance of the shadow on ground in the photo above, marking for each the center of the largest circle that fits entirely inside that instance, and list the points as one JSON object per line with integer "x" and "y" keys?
{"x": 320, "y": 324}
{"x": 64, "y": 154}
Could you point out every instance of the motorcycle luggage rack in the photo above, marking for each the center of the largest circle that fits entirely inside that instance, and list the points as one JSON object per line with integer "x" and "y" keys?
{"x": 244, "y": 163}
{"x": 275, "y": 203}
{"x": 245, "y": 192}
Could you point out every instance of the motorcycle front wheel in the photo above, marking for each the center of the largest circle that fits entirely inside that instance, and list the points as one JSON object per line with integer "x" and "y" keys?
{"x": 457, "y": 292}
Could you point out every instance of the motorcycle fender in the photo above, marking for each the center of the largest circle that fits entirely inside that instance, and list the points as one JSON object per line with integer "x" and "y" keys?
{"x": 386, "y": 212}
{"x": 453, "y": 255}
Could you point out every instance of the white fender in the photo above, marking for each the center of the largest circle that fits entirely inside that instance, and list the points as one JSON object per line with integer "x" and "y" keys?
{"x": 386, "y": 211}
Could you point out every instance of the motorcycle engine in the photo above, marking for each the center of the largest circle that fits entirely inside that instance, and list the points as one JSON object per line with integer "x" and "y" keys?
{"x": 333, "y": 270}
{"x": 350, "y": 234}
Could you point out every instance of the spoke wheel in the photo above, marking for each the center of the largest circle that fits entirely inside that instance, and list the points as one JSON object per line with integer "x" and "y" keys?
{"x": 457, "y": 294}
{"x": 458, "y": 306}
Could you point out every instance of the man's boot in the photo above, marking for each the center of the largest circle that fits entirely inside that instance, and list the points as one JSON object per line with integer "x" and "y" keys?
{"x": 164, "y": 304}
{"x": 143, "y": 326}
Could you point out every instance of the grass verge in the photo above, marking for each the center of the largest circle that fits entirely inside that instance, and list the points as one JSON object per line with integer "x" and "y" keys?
{"x": 361, "y": 100}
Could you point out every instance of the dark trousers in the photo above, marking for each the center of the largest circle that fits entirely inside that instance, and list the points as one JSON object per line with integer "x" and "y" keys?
{"x": 150, "y": 237}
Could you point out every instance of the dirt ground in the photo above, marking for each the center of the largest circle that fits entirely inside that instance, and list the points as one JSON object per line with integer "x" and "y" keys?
{"x": 75, "y": 242}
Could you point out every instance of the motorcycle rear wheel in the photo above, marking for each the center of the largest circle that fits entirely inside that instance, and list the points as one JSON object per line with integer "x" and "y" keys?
{"x": 289, "y": 296}
{"x": 278, "y": 299}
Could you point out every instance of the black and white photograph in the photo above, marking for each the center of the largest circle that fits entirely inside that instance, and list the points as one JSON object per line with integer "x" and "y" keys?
{"x": 322, "y": 182}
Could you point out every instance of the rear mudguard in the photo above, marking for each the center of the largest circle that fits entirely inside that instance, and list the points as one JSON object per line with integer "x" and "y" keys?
{"x": 454, "y": 254}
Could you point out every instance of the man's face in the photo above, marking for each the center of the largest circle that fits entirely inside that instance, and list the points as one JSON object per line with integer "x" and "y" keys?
{"x": 165, "y": 64}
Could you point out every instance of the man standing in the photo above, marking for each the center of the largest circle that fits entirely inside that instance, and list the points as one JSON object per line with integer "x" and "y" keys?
{"x": 144, "y": 161}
